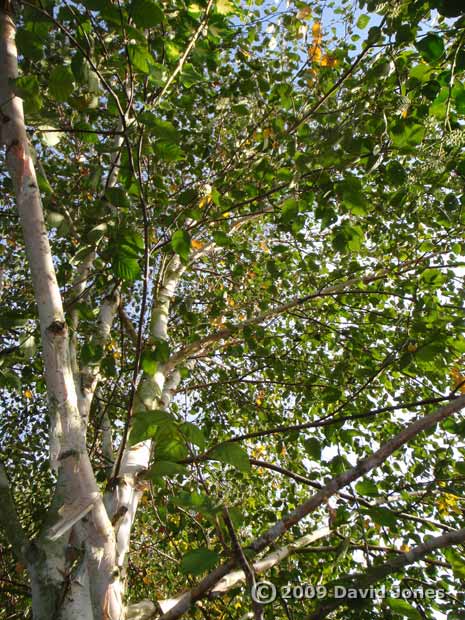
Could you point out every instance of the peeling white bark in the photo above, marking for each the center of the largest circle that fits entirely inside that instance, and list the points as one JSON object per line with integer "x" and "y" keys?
{"x": 140, "y": 611}
{"x": 67, "y": 436}
{"x": 77, "y": 603}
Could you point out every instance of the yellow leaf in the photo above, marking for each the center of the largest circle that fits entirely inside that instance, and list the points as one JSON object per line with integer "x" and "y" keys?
{"x": 404, "y": 548}
{"x": 447, "y": 503}
{"x": 458, "y": 379}
{"x": 27, "y": 394}
{"x": 204, "y": 201}
{"x": 197, "y": 245}
{"x": 304, "y": 13}
{"x": 412, "y": 347}
{"x": 111, "y": 346}
{"x": 316, "y": 34}
{"x": 258, "y": 452}
{"x": 314, "y": 51}
{"x": 316, "y": 30}
{"x": 328, "y": 61}
{"x": 224, "y": 7}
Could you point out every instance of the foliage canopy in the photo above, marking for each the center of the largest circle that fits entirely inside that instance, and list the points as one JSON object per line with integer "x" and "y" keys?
{"x": 300, "y": 169}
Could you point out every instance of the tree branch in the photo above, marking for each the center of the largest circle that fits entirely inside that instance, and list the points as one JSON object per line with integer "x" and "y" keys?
{"x": 205, "y": 343}
{"x": 9, "y": 521}
{"x": 310, "y": 505}
{"x": 232, "y": 579}
{"x": 247, "y": 570}
{"x": 380, "y": 571}
{"x": 185, "y": 55}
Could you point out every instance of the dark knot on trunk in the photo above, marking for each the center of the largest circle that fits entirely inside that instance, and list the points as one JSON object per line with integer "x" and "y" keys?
{"x": 57, "y": 327}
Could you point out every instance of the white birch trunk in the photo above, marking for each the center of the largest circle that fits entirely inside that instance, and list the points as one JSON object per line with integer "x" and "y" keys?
{"x": 67, "y": 436}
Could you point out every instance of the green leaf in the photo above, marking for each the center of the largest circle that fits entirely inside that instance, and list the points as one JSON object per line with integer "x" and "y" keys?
{"x": 221, "y": 238}
{"x": 162, "y": 351}
{"x": 313, "y": 447}
{"x": 172, "y": 51}
{"x": 402, "y": 608}
{"x": 161, "y": 128}
{"x": 438, "y": 108}
{"x": 30, "y": 44}
{"x": 97, "y": 232}
{"x": 289, "y": 210}
{"x": 168, "y": 151}
{"x": 421, "y": 72}
{"x": 117, "y": 197}
{"x": 194, "y": 10}
{"x": 458, "y": 92}
{"x": 140, "y": 57}
{"x": 395, "y": 173}
{"x": 134, "y": 240}
{"x": 367, "y": 487}
{"x": 347, "y": 237}
{"x": 190, "y": 76}
{"x": 224, "y": 7}
{"x": 449, "y": 8}
{"x": 352, "y": 195}
{"x": 406, "y": 133}
{"x": 456, "y": 561}
{"x": 146, "y": 13}
{"x": 363, "y": 21}
{"x": 149, "y": 362}
{"x": 382, "y": 516}
{"x": 54, "y": 219}
{"x": 166, "y": 468}
{"x": 26, "y": 86}
{"x": 61, "y": 83}
{"x": 431, "y": 47}
{"x": 181, "y": 244}
{"x": 9, "y": 379}
{"x": 95, "y": 5}
{"x": 232, "y": 454}
{"x": 91, "y": 354}
{"x": 434, "y": 278}
{"x": 125, "y": 267}
{"x": 198, "y": 561}
{"x": 146, "y": 423}
{"x": 193, "y": 434}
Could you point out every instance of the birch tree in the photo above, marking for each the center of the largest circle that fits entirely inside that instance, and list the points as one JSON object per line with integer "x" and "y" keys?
{"x": 232, "y": 320}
